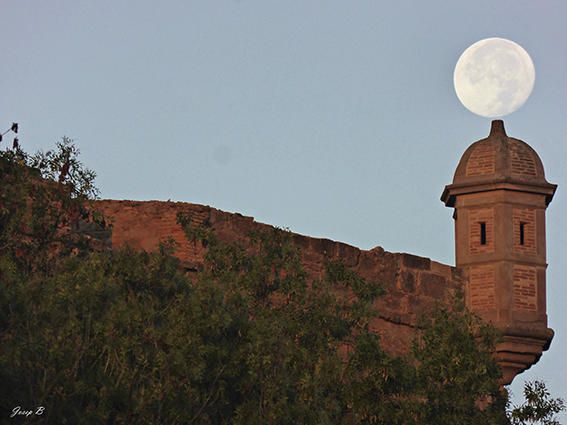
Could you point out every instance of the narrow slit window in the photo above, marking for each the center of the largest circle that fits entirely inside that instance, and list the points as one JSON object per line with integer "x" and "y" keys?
{"x": 483, "y": 233}
{"x": 522, "y": 233}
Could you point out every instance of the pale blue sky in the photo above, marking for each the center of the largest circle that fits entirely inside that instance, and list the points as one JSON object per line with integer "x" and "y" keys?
{"x": 336, "y": 119}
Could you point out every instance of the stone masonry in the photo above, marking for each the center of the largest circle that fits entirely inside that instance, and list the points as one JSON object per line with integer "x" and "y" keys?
{"x": 413, "y": 284}
{"x": 500, "y": 195}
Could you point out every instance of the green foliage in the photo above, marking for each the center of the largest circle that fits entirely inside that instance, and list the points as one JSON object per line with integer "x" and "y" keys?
{"x": 126, "y": 337}
{"x": 90, "y": 341}
{"x": 78, "y": 179}
{"x": 539, "y": 407}
{"x": 456, "y": 373}
{"x": 35, "y": 210}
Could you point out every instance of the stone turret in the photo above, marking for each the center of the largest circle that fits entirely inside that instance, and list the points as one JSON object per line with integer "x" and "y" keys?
{"x": 500, "y": 194}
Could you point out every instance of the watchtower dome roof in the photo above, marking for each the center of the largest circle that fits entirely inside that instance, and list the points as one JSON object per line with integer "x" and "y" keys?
{"x": 498, "y": 159}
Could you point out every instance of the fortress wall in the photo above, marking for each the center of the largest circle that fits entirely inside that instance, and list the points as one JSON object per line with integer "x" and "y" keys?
{"x": 413, "y": 284}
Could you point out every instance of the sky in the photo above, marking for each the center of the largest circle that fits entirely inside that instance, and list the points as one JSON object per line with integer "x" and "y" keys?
{"x": 334, "y": 119}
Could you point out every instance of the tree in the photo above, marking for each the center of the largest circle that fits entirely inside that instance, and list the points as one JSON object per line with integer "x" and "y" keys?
{"x": 100, "y": 336}
{"x": 539, "y": 407}
{"x": 36, "y": 212}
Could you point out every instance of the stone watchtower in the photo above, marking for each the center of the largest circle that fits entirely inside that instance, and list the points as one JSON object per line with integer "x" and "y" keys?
{"x": 500, "y": 194}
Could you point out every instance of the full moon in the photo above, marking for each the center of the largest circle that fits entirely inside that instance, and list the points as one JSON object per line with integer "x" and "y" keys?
{"x": 494, "y": 77}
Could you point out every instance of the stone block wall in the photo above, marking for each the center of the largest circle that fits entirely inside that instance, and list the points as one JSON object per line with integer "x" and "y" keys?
{"x": 413, "y": 284}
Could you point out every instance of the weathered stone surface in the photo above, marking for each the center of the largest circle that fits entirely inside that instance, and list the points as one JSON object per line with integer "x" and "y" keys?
{"x": 442, "y": 269}
{"x": 143, "y": 225}
{"x": 432, "y": 285}
{"x": 414, "y": 285}
{"x": 415, "y": 262}
{"x": 408, "y": 282}
{"x": 500, "y": 195}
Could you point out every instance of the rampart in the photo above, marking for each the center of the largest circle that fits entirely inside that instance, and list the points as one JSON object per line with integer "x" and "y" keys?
{"x": 413, "y": 284}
